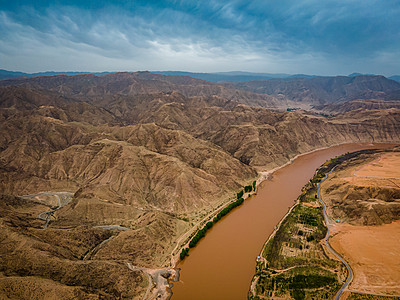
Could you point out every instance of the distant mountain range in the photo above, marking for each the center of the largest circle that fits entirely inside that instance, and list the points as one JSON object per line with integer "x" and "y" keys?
{"x": 152, "y": 154}
{"x": 4, "y": 74}
{"x": 233, "y": 76}
{"x": 213, "y": 77}
{"x": 321, "y": 90}
{"x": 395, "y": 77}
{"x": 277, "y": 93}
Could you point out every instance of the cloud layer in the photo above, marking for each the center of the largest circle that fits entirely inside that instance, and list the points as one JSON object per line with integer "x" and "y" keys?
{"x": 288, "y": 36}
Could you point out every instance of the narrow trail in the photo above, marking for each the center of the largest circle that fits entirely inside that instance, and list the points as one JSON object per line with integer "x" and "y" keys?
{"x": 158, "y": 283}
{"x": 371, "y": 294}
{"x": 350, "y": 277}
{"x": 150, "y": 285}
{"x": 46, "y": 215}
{"x": 371, "y": 176}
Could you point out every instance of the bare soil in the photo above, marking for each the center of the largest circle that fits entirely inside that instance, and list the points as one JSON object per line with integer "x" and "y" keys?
{"x": 387, "y": 165}
{"x": 384, "y": 171}
{"x": 373, "y": 253}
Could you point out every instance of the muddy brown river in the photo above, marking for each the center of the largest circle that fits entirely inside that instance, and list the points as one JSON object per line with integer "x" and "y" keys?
{"x": 222, "y": 264}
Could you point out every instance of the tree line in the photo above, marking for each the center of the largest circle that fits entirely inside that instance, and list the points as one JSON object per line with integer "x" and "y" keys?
{"x": 202, "y": 232}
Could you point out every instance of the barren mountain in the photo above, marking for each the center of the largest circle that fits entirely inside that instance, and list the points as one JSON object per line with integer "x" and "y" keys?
{"x": 365, "y": 190}
{"x": 324, "y": 90}
{"x": 91, "y": 87}
{"x": 337, "y": 108}
{"x": 145, "y": 157}
{"x": 363, "y": 195}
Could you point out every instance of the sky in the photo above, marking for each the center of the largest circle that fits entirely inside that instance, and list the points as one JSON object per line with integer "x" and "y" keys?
{"x": 321, "y": 37}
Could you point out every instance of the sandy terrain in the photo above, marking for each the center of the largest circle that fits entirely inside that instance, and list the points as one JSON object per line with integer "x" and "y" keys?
{"x": 387, "y": 165}
{"x": 383, "y": 171}
{"x": 373, "y": 252}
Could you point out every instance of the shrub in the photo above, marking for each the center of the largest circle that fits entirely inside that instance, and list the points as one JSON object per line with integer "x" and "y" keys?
{"x": 248, "y": 188}
{"x": 310, "y": 281}
{"x": 184, "y": 253}
{"x": 202, "y": 232}
{"x": 298, "y": 294}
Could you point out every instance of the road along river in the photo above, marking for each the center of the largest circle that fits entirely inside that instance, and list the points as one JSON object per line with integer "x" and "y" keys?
{"x": 222, "y": 264}
{"x": 349, "y": 270}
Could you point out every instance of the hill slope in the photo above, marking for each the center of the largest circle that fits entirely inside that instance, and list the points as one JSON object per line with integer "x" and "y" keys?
{"x": 324, "y": 90}
{"x": 146, "y": 157}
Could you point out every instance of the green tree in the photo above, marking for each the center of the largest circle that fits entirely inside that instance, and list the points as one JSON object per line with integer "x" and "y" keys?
{"x": 248, "y": 188}
{"x": 184, "y": 253}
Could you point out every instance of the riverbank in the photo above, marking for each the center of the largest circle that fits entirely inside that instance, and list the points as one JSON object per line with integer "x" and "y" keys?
{"x": 293, "y": 252}
{"x": 221, "y": 258}
{"x": 265, "y": 178}
{"x": 283, "y": 249}
{"x": 263, "y": 175}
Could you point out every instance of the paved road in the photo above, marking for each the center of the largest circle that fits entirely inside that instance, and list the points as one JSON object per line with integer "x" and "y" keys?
{"x": 63, "y": 198}
{"x": 350, "y": 277}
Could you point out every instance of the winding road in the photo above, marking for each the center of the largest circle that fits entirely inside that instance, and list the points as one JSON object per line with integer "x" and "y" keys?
{"x": 350, "y": 277}
{"x": 63, "y": 198}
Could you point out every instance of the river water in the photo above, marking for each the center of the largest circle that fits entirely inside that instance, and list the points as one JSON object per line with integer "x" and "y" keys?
{"x": 222, "y": 264}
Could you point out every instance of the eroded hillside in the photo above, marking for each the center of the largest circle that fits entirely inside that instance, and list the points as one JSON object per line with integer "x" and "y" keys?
{"x": 144, "y": 165}
{"x": 363, "y": 197}
{"x": 324, "y": 90}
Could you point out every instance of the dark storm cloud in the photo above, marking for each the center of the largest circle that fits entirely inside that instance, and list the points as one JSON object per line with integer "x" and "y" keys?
{"x": 324, "y": 37}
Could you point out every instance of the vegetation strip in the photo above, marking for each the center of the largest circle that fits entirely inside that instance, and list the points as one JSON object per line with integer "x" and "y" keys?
{"x": 202, "y": 232}
{"x": 293, "y": 262}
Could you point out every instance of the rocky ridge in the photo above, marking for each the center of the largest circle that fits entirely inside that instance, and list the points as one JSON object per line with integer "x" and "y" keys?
{"x": 137, "y": 156}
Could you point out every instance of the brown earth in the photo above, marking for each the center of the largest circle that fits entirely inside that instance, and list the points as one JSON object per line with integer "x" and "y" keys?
{"x": 360, "y": 200}
{"x": 144, "y": 161}
{"x": 38, "y": 263}
{"x": 358, "y": 104}
{"x": 386, "y": 166}
{"x": 363, "y": 192}
{"x": 322, "y": 90}
{"x": 373, "y": 253}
